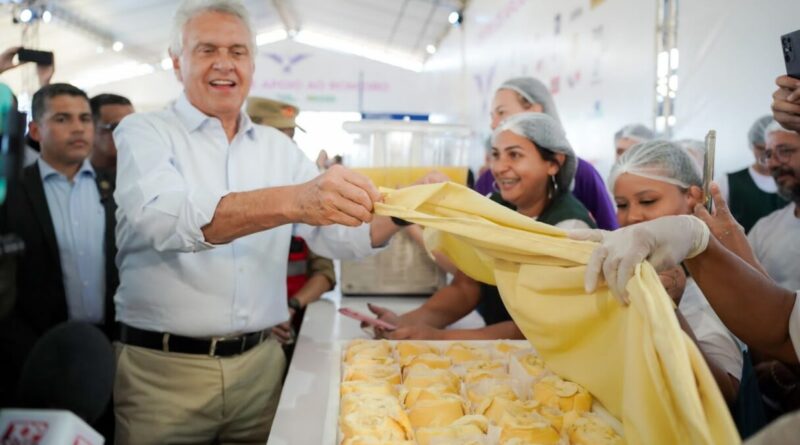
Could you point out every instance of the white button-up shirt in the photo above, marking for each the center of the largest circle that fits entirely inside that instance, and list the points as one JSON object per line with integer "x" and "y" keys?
{"x": 80, "y": 225}
{"x": 174, "y": 166}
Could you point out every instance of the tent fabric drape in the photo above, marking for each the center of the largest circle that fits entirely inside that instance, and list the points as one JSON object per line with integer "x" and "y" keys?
{"x": 635, "y": 360}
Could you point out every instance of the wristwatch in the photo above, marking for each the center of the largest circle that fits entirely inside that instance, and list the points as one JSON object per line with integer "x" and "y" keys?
{"x": 294, "y": 303}
{"x": 400, "y": 222}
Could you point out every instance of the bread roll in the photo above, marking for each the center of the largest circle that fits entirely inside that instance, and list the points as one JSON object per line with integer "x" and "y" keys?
{"x": 589, "y": 429}
{"x": 462, "y": 353}
{"x": 368, "y": 348}
{"x": 423, "y": 377}
{"x": 462, "y": 431}
{"x": 567, "y": 396}
{"x": 433, "y": 361}
{"x": 409, "y": 349}
{"x": 437, "y": 412}
{"x": 368, "y": 387}
{"x": 387, "y": 373}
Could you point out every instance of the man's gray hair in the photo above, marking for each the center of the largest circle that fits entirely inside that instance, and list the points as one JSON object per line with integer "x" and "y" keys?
{"x": 191, "y": 8}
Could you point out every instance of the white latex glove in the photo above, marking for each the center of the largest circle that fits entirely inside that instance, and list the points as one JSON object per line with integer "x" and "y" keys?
{"x": 664, "y": 242}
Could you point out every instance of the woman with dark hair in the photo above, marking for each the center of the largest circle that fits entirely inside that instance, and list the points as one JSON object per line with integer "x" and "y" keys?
{"x": 526, "y": 94}
{"x": 533, "y": 165}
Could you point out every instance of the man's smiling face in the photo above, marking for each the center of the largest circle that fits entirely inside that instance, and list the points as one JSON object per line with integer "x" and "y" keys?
{"x": 216, "y": 64}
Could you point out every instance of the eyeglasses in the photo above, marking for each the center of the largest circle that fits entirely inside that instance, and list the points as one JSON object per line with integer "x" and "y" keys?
{"x": 781, "y": 155}
{"x": 108, "y": 128}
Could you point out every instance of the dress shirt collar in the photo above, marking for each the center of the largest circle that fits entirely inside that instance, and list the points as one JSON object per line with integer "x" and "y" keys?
{"x": 193, "y": 118}
{"x": 46, "y": 171}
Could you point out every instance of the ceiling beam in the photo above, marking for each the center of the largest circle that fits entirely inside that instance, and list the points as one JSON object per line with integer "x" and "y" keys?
{"x": 291, "y": 23}
{"x": 446, "y": 30}
{"x": 397, "y": 23}
{"x": 452, "y": 4}
{"x": 424, "y": 32}
{"x": 101, "y": 34}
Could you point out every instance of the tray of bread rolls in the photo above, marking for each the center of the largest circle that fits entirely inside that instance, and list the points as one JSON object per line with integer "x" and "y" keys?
{"x": 462, "y": 393}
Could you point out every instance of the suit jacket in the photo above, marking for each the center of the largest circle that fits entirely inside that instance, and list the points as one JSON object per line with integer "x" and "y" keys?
{"x": 40, "y": 298}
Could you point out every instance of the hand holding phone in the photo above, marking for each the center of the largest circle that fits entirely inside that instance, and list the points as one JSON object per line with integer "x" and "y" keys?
{"x": 44, "y": 58}
{"x": 372, "y": 321}
{"x": 708, "y": 168}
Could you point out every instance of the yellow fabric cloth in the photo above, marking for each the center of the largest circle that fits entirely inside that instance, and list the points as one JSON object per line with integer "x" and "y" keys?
{"x": 635, "y": 359}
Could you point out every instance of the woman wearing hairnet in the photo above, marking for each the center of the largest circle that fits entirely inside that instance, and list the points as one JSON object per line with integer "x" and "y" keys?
{"x": 755, "y": 308}
{"x": 661, "y": 178}
{"x": 526, "y": 94}
{"x": 533, "y": 165}
{"x": 630, "y": 135}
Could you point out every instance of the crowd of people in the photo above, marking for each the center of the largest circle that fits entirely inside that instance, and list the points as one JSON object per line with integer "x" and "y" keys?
{"x": 195, "y": 236}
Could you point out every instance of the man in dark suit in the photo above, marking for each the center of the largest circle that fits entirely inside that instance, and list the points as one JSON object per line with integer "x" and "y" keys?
{"x": 65, "y": 216}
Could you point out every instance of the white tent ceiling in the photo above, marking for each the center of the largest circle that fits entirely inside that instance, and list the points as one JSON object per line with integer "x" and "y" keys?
{"x": 82, "y": 31}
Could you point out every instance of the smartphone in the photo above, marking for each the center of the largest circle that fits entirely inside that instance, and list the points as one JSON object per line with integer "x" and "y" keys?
{"x": 791, "y": 53}
{"x": 32, "y": 55}
{"x": 372, "y": 321}
{"x": 708, "y": 167}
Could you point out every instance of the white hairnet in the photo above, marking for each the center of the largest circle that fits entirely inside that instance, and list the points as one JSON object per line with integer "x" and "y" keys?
{"x": 534, "y": 92}
{"x": 545, "y": 132}
{"x": 757, "y": 133}
{"x": 696, "y": 149}
{"x": 663, "y": 161}
{"x": 637, "y": 132}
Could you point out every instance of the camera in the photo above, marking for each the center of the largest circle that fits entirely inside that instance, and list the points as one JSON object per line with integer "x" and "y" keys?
{"x": 39, "y": 57}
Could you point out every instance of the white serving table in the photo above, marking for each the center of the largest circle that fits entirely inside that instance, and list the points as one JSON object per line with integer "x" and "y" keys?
{"x": 309, "y": 389}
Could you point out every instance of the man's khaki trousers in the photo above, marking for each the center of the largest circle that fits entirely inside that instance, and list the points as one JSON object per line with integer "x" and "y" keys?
{"x": 172, "y": 398}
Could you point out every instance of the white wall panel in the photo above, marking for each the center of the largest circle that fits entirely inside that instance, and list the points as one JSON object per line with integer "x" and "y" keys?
{"x": 311, "y": 78}
{"x": 321, "y": 80}
{"x": 599, "y": 62}
{"x": 730, "y": 55}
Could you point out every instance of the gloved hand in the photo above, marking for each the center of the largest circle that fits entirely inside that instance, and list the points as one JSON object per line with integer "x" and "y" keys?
{"x": 664, "y": 242}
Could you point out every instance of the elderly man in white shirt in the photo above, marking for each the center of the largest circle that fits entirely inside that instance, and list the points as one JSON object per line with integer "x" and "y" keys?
{"x": 207, "y": 201}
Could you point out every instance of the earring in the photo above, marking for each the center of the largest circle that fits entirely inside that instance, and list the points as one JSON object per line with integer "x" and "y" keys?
{"x": 495, "y": 188}
{"x": 555, "y": 184}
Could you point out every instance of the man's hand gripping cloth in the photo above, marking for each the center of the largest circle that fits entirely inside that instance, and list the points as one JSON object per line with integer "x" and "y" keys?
{"x": 634, "y": 359}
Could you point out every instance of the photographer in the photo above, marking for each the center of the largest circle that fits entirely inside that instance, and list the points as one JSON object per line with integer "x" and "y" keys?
{"x": 43, "y": 71}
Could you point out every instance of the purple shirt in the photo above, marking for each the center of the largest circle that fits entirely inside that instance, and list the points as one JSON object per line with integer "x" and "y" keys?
{"x": 485, "y": 183}
{"x": 589, "y": 188}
